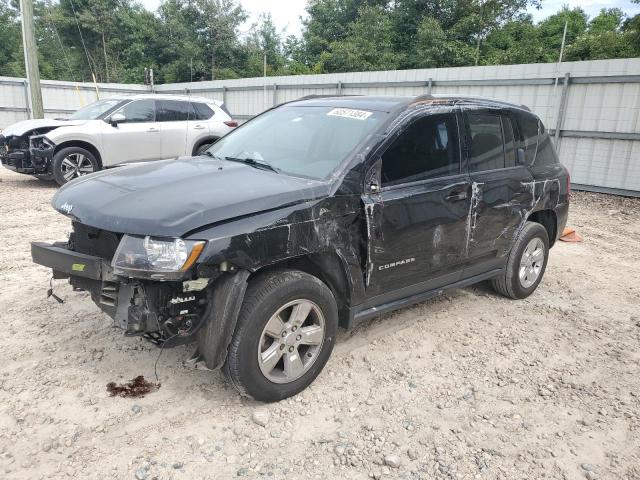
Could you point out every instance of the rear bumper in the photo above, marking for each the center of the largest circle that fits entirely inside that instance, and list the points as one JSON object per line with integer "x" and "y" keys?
{"x": 66, "y": 263}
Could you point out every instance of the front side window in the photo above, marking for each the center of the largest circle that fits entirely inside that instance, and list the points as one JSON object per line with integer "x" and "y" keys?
{"x": 309, "y": 141}
{"x": 427, "y": 149}
{"x": 486, "y": 142}
{"x": 139, "y": 111}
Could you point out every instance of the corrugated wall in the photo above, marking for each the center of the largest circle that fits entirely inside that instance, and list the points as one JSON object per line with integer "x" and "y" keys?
{"x": 59, "y": 98}
{"x": 598, "y": 107}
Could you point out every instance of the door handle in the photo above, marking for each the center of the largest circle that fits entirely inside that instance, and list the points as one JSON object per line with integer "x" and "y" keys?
{"x": 153, "y": 129}
{"x": 199, "y": 127}
{"x": 456, "y": 196}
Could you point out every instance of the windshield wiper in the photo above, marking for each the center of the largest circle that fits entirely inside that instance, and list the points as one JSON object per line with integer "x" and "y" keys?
{"x": 254, "y": 163}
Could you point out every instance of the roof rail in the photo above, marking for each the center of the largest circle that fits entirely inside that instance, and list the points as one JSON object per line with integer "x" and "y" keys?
{"x": 312, "y": 96}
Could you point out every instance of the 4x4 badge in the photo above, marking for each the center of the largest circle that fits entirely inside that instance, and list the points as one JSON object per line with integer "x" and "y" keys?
{"x": 66, "y": 207}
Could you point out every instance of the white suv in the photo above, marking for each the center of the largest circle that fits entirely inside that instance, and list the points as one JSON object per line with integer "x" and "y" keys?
{"x": 113, "y": 131}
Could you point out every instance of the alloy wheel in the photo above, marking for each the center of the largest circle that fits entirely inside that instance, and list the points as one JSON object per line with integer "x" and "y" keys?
{"x": 291, "y": 341}
{"x": 75, "y": 165}
{"x": 531, "y": 262}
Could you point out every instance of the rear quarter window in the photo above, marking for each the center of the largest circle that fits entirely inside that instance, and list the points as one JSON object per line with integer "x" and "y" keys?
{"x": 202, "y": 111}
{"x": 546, "y": 151}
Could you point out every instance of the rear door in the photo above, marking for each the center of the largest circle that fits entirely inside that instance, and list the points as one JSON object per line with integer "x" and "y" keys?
{"x": 183, "y": 126}
{"x": 501, "y": 188}
{"x": 173, "y": 116}
{"x": 136, "y": 139}
{"x": 416, "y": 205}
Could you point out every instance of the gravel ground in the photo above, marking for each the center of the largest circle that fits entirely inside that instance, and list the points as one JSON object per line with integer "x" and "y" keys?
{"x": 469, "y": 385}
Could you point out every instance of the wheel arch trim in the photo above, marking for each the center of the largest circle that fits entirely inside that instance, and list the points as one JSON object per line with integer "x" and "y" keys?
{"x": 82, "y": 144}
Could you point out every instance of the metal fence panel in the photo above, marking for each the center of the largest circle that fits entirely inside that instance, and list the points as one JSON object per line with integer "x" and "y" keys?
{"x": 597, "y": 105}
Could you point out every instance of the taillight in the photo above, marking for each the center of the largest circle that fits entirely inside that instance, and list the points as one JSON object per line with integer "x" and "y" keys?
{"x": 231, "y": 123}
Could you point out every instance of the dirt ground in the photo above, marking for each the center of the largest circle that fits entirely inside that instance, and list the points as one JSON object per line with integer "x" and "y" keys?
{"x": 467, "y": 386}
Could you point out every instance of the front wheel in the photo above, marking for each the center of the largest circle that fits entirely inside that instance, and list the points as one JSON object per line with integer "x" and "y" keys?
{"x": 526, "y": 264}
{"x": 73, "y": 162}
{"x": 285, "y": 334}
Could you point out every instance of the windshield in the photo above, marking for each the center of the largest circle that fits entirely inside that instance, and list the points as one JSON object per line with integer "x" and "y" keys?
{"x": 305, "y": 141}
{"x": 95, "y": 110}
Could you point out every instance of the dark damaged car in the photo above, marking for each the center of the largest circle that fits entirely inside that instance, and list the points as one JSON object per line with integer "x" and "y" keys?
{"x": 316, "y": 214}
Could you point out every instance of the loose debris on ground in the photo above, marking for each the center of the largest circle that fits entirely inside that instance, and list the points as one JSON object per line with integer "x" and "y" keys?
{"x": 136, "y": 388}
{"x": 467, "y": 386}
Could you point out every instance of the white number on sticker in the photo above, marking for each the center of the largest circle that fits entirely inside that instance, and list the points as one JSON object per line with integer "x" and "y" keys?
{"x": 350, "y": 113}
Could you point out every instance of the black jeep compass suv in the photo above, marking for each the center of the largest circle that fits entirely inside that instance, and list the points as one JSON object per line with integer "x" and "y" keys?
{"x": 315, "y": 214}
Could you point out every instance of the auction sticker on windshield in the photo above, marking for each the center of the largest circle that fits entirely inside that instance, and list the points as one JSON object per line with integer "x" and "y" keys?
{"x": 350, "y": 113}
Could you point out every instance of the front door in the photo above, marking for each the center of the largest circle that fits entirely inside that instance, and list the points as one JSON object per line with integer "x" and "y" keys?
{"x": 417, "y": 206}
{"x": 502, "y": 188}
{"x": 136, "y": 139}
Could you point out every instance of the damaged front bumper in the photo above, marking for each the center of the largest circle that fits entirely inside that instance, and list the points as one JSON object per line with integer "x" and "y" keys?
{"x": 32, "y": 156}
{"x": 167, "y": 313}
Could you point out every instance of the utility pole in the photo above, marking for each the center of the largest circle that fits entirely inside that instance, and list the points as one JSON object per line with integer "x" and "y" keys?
{"x": 31, "y": 58}
{"x": 264, "y": 95}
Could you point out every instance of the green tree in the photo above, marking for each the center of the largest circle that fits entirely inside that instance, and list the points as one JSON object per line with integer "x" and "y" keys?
{"x": 434, "y": 48}
{"x": 329, "y": 21}
{"x": 550, "y": 30}
{"x": 367, "y": 46}
{"x": 515, "y": 42}
{"x": 11, "y": 60}
{"x": 604, "y": 38}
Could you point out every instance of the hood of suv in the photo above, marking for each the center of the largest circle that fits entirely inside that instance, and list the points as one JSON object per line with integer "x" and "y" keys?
{"x": 25, "y": 126}
{"x": 170, "y": 198}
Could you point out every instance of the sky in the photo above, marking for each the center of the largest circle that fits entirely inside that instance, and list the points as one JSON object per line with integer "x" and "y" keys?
{"x": 286, "y": 13}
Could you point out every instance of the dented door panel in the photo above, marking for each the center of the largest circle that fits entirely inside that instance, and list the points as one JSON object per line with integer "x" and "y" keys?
{"x": 499, "y": 200}
{"x": 416, "y": 232}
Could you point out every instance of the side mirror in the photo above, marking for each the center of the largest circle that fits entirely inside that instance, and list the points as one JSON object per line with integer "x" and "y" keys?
{"x": 372, "y": 178}
{"x": 520, "y": 156}
{"x": 117, "y": 118}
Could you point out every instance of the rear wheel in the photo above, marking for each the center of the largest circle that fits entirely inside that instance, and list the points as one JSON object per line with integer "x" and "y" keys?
{"x": 526, "y": 264}
{"x": 285, "y": 334}
{"x": 73, "y": 162}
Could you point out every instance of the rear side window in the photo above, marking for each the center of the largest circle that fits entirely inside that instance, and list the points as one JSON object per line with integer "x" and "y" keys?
{"x": 509, "y": 143}
{"x": 173, "y": 111}
{"x": 528, "y": 125}
{"x": 486, "y": 149}
{"x": 202, "y": 111}
{"x": 428, "y": 148}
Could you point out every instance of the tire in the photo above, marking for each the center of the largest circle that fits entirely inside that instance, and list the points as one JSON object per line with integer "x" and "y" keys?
{"x": 511, "y": 283}
{"x": 65, "y": 161}
{"x": 203, "y": 148}
{"x": 267, "y": 295}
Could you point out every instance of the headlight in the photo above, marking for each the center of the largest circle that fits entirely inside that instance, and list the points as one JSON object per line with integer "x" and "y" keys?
{"x": 152, "y": 257}
{"x": 40, "y": 142}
